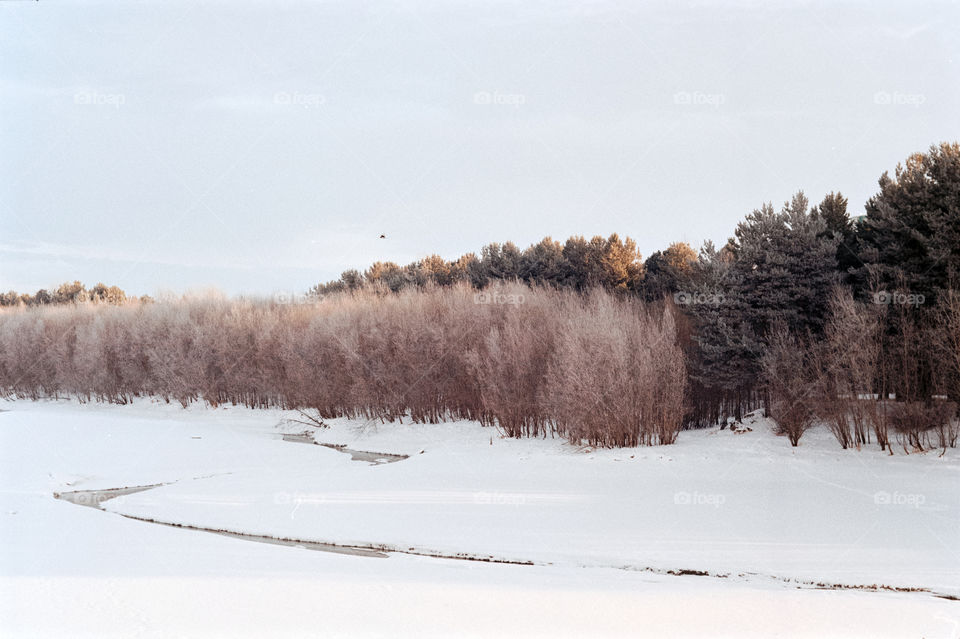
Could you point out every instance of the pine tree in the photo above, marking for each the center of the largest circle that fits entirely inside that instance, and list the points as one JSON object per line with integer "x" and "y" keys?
{"x": 782, "y": 269}
{"x": 911, "y": 233}
{"x": 833, "y": 212}
{"x": 668, "y": 272}
{"x": 787, "y": 267}
{"x": 543, "y": 263}
{"x": 622, "y": 268}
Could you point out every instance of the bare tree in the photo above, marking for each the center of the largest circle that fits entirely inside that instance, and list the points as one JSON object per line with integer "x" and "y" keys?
{"x": 790, "y": 383}
{"x": 592, "y": 366}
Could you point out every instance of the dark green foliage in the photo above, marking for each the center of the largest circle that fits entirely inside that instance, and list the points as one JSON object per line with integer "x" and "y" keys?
{"x": 777, "y": 272}
{"x": 787, "y": 266}
{"x": 911, "y": 234}
{"x": 668, "y": 272}
{"x": 833, "y": 212}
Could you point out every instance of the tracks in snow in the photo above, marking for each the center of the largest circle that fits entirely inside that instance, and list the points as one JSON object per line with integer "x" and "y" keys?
{"x": 96, "y": 498}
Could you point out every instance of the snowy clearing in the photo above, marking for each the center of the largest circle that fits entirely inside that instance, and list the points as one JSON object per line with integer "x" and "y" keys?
{"x": 620, "y": 539}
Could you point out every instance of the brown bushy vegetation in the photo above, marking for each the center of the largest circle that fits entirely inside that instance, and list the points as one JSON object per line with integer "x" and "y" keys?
{"x": 844, "y": 377}
{"x": 595, "y": 367}
{"x": 848, "y": 363}
{"x": 790, "y": 380}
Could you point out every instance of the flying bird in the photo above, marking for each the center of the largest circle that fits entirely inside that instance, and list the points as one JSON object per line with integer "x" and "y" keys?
{"x": 383, "y": 237}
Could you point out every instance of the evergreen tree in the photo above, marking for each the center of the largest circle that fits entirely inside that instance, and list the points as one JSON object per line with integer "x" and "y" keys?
{"x": 621, "y": 266}
{"x": 668, "y": 272}
{"x": 386, "y": 273}
{"x": 787, "y": 266}
{"x": 911, "y": 233}
{"x": 501, "y": 261}
{"x": 910, "y": 243}
{"x": 724, "y": 365}
{"x": 437, "y": 270}
{"x": 833, "y": 212}
{"x": 782, "y": 269}
{"x": 544, "y": 263}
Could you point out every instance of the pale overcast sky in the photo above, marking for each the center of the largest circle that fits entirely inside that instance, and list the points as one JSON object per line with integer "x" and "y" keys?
{"x": 265, "y": 146}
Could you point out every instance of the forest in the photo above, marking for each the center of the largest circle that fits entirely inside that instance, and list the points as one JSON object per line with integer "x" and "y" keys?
{"x": 808, "y": 312}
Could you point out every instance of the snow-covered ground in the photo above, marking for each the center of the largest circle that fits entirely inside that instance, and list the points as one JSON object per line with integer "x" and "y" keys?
{"x": 603, "y": 529}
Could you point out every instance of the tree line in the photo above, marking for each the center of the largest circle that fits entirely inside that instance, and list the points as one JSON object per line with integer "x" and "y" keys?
{"x": 806, "y": 312}
{"x": 532, "y": 361}
{"x": 774, "y": 287}
{"x": 70, "y": 293}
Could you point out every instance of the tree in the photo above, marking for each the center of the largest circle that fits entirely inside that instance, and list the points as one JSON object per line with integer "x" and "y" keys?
{"x": 544, "y": 263}
{"x": 667, "y": 272}
{"x": 70, "y": 292}
{"x": 387, "y": 274}
{"x": 947, "y": 341}
{"x": 437, "y": 270}
{"x": 848, "y": 363}
{"x": 833, "y": 212}
{"x": 11, "y": 298}
{"x": 468, "y": 268}
{"x": 909, "y": 244}
{"x": 622, "y": 267}
{"x": 790, "y": 380}
{"x": 787, "y": 268}
{"x": 501, "y": 262}
{"x": 911, "y": 233}
{"x": 777, "y": 271}
{"x": 107, "y": 294}
{"x": 577, "y": 256}
{"x": 352, "y": 279}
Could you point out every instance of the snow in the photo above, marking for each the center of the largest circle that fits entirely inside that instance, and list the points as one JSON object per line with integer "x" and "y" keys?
{"x": 603, "y": 527}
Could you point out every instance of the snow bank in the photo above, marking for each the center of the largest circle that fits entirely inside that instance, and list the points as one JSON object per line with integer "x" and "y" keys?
{"x": 738, "y": 504}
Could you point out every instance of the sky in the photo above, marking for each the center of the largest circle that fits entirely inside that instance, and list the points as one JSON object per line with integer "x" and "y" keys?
{"x": 262, "y": 147}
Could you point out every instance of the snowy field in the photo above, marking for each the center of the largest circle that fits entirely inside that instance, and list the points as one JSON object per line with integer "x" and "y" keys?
{"x": 722, "y": 534}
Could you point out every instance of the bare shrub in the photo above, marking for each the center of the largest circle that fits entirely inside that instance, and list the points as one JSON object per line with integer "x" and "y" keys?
{"x": 528, "y": 360}
{"x": 617, "y": 376}
{"x": 791, "y": 386}
{"x": 947, "y": 341}
{"x": 877, "y": 414}
{"x": 847, "y": 370}
{"x": 511, "y": 363}
{"x": 915, "y": 421}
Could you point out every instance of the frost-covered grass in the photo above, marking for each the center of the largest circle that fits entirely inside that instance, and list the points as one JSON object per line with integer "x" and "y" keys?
{"x": 748, "y": 506}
